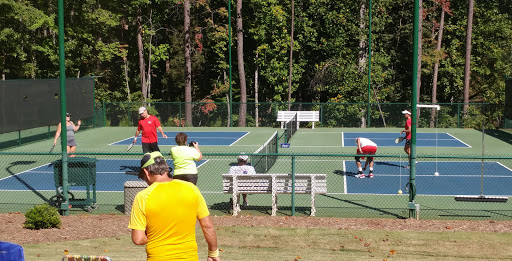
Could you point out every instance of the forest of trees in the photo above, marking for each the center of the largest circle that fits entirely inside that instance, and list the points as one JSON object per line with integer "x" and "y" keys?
{"x": 178, "y": 50}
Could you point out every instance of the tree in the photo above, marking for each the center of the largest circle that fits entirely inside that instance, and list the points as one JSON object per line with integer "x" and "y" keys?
{"x": 241, "y": 70}
{"x": 467, "y": 66}
{"x": 291, "y": 57}
{"x": 188, "y": 64}
{"x": 445, "y": 8}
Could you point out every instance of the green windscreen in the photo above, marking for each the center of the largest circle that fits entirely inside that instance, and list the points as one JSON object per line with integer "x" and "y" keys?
{"x": 27, "y": 104}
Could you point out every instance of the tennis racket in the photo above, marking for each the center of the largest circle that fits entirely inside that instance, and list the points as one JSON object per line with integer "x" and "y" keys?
{"x": 399, "y": 139}
{"x": 130, "y": 146}
{"x": 51, "y": 149}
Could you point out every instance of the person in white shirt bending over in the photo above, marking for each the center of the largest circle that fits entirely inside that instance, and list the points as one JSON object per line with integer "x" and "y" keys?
{"x": 242, "y": 169}
{"x": 368, "y": 147}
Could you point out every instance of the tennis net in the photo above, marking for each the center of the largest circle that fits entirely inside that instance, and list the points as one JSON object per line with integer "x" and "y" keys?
{"x": 260, "y": 160}
{"x": 291, "y": 128}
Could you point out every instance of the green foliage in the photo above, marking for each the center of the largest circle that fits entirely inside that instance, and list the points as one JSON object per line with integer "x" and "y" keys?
{"x": 330, "y": 52}
{"x": 42, "y": 216}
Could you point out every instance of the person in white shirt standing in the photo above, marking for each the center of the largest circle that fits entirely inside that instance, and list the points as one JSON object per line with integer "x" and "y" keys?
{"x": 367, "y": 147}
{"x": 242, "y": 169}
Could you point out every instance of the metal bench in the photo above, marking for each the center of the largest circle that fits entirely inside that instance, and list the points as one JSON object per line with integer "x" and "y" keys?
{"x": 302, "y": 116}
{"x": 273, "y": 184}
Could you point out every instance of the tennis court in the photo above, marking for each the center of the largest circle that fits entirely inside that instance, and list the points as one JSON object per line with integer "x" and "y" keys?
{"x": 204, "y": 138}
{"x": 29, "y": 177}
{"x": 442, "y": 139}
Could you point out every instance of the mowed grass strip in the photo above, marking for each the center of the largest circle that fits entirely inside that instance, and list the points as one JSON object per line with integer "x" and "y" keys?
{"x": 261, "y": 243}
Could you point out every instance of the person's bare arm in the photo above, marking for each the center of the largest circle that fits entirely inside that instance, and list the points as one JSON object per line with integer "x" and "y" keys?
{"x": 210, "y": 236}
{"x": 196, "y": 146}
{"x": 139, "y": 237}
{"x": 57, "y": 134}
{"x": 407, "y": 130}
{"x": 77, "y": 126}
{"x": 162, "y": 131}
{"x": 136, "y": 135}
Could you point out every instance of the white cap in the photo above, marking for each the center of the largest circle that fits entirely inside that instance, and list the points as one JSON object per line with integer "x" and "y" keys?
{"x": 142, "y": 109}
{"x": 406, "y": 112}
{"x": 243, "y": 157}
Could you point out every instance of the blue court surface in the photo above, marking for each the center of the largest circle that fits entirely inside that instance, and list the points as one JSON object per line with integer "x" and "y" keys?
{"x": 110, "y": 176}
{"x": 204, "y": 138}
{"x": 455, "y": 178}
{"x": 387, "y": 139}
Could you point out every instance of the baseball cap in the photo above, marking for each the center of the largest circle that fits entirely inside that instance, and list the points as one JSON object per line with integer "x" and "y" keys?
{"x": 243, "y": 157}
{"x": 147, "y": 160}
{"x": 142, "y": 109}
{"x": 68, "y": 114}
{"x": 406, "y": 112}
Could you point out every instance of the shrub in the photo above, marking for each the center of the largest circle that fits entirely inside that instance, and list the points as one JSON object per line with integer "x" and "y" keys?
{"x": 42, "y": 216}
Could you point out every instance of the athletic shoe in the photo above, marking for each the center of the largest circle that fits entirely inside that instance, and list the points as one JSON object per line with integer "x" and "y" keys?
{"x": 359, "y": 176}
{"x": 371, "y": 175}
{"x": 245, "y": 204}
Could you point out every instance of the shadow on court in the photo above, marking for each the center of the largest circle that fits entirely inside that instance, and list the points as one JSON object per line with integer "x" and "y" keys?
{"x": 500, "y": 134}
{"x": 28, "y": 186}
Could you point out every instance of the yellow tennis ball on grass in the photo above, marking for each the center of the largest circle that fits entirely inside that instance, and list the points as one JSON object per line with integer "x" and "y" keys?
{"x": 399, "y": 191}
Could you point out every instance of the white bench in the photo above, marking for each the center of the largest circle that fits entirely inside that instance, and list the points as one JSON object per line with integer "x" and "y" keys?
{"x": 302, "y": 116}
{"x": 273, "y": 184}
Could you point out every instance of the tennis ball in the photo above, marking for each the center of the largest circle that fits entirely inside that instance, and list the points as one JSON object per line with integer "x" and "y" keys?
{"x": 399, "y": 191}
{"x": 436, "y": 173}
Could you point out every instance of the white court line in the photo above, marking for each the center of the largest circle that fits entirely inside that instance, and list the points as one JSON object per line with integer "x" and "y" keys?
{"x": 113, "y": 143}
{"x": 206, "y": 161}
{"x": 247, "y": 133}
{"x": 24, "y": 171}
{"x": 504, "y": 166}
{"x": 458, "y": 139}
{"x": 316, "y": 146}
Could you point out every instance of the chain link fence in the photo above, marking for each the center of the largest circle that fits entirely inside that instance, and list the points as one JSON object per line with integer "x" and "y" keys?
{"x": 217, "y": 114}
{"x": 98, "y": 185}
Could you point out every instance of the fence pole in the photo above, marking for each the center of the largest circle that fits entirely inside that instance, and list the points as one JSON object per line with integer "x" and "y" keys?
{"x": 293, "y": 185}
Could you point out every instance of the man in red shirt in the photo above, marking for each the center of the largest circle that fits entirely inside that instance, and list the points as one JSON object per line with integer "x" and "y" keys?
{"x": 407, "y": 130}
{"x": 148, "y": 125}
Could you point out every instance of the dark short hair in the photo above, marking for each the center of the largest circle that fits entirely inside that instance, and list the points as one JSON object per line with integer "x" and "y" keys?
{"x": 181, "y": 138}
{"x": 160, "y": 167}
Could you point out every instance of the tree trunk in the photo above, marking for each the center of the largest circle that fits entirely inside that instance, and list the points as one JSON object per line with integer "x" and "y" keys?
{"x": 291, "y": 58}
{"x": 127, "y": 78}
{"x": 436, "y": 68}
{"x": 467, "y": 66}
{"x": 188, "y": 65}
{"x": 420, "y": 47}
{"x": 241, "y": 70}
{"x": 256, "y": 78}
{"x": 140, "y": 48}
{"x": 362, "y": 45}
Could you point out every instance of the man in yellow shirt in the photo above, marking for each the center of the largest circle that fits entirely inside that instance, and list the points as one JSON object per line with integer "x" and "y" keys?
{"x": 164, "y": 215}
{"x": 184, "y": 158}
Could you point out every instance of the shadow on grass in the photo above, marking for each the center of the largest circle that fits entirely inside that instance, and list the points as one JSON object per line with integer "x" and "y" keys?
{"x": 361, "y": 205}
{"x": 504, "y": 136}
{"x": 227, "y": 208}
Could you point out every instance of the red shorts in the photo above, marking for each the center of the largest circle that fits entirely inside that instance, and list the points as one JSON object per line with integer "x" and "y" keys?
{"x": 371, "y": 150}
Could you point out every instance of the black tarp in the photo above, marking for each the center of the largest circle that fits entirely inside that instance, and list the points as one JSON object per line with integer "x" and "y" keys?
{"x": 27, "y": 104}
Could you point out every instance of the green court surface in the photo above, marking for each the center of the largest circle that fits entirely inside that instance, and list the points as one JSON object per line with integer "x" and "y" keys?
{"x": 311, "y": 151}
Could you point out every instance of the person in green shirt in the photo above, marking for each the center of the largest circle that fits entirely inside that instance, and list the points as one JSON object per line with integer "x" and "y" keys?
{"x": 184, "y": 158}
